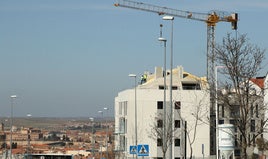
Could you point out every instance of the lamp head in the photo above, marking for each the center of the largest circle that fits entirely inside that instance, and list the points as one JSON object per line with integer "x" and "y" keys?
{"x": 162, "y": 39}
{"x": 131, "y": 75}
{"x": 13, "y": 96}
{"x": 168, "y": 18}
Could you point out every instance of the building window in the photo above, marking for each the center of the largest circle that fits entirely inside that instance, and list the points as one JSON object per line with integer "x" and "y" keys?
{"x": 254, "y": 139}
{"x": 257, "y": 111}
{"x": 159, "y": 123}
{"x": 122, "y": 125}
{"x": 125, "y": 143}
{"x": 252, "y": 125}
{"x": 161, "y": 87}
{"x": 222, "y": 111}
{"x": 125, "y": 126}
{"x": 174, "y": 87}
{"x": 159, "y": 104}
{"x": 237, "y": 152}
{"x": 234, "y": 123}
{"x": 120, "y": 108}
{"x": 262, "y": 126}
{"x": 177, "y": 124}
{"x": 177, "y": 105}
{"x": 125, "y": 108}
{"x": 221, "y": 121}
{"x": 249, "y": 139}
{"x": 159, "y": 142}
{"x": 236, "y": 143}
{"x": 177, "y": 142}
{"x": 191, "y": 86}
{"x": 251, "y": 111}
{"x": 234, "y": 111}
{"x": 122, "y": 143}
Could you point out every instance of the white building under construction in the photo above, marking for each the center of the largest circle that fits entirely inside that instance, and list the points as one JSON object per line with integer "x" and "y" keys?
{"x": 190, "y": 116}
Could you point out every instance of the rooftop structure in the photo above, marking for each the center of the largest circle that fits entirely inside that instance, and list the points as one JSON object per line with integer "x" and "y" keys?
{"x": 191, "y": 106}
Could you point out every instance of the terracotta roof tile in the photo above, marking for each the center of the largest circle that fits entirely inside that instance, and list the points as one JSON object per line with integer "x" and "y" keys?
{"x": 258, "y": 81}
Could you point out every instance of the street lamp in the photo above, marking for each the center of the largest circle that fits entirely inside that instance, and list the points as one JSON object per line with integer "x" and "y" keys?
{"x": 5, "y": 141}
{"x": 12, "y": 98}
{"x": 136, "y": 138}
{"x": 171, "y": 66}
{"x": 107, "y": 154}
{"x": 216, "y": 109}
{"x": 28, "y": 138}
{"x": 165, "y": 85}
{"x": 101, "y": 112}
{"x": 92, "y": 140}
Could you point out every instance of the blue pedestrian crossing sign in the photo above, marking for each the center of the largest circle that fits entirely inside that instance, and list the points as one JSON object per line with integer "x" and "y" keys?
{"x": 133, "y": 149}
{"x": 143, "y": 150}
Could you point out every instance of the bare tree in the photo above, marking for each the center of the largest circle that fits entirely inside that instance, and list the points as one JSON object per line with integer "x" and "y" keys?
{"x": 157, "y": 132}
{"x": 197, "y": 119}
{"x": 242, "y": 62}
{"x": 197, "y": 116}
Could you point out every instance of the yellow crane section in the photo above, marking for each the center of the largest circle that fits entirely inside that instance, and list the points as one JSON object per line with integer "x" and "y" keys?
{"x": 211, "y": 19}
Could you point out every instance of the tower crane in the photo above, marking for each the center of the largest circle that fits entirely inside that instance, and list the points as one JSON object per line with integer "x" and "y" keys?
{"x": 211, "y": 19}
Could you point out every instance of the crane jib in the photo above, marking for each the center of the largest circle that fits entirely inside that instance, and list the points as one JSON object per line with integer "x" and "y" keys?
{"x": 209, "y": 18}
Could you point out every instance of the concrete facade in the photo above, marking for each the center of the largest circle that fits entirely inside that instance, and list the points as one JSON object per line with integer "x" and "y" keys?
{"x": 191, "y": 103}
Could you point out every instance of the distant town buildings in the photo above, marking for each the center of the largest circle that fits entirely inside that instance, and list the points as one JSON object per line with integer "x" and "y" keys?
{"x": 72, "y": 140}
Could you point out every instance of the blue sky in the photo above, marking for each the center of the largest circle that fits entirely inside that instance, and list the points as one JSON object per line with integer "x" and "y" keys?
{"x": 70, "y": 58}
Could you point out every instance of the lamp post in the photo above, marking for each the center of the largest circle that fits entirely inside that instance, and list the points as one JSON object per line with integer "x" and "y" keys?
{"x": 101, "y": 112}
{"x": 216, "y": 109}
{"x": 107, "y": 153}
{"x": 92, "y": 140}
{"x": 165, "y": 87}
{"x": 12, "y": 98}
{"x": 171, "y": 18}
{"x": 136, "y": 138}
{"x": 5, "y": 141}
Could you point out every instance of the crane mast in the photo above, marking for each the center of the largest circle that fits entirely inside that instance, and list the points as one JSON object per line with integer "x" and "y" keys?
{"x": 209, "y": 18}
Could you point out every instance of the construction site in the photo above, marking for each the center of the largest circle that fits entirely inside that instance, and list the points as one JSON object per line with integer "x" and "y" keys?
{"x": 211, "y": 19}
